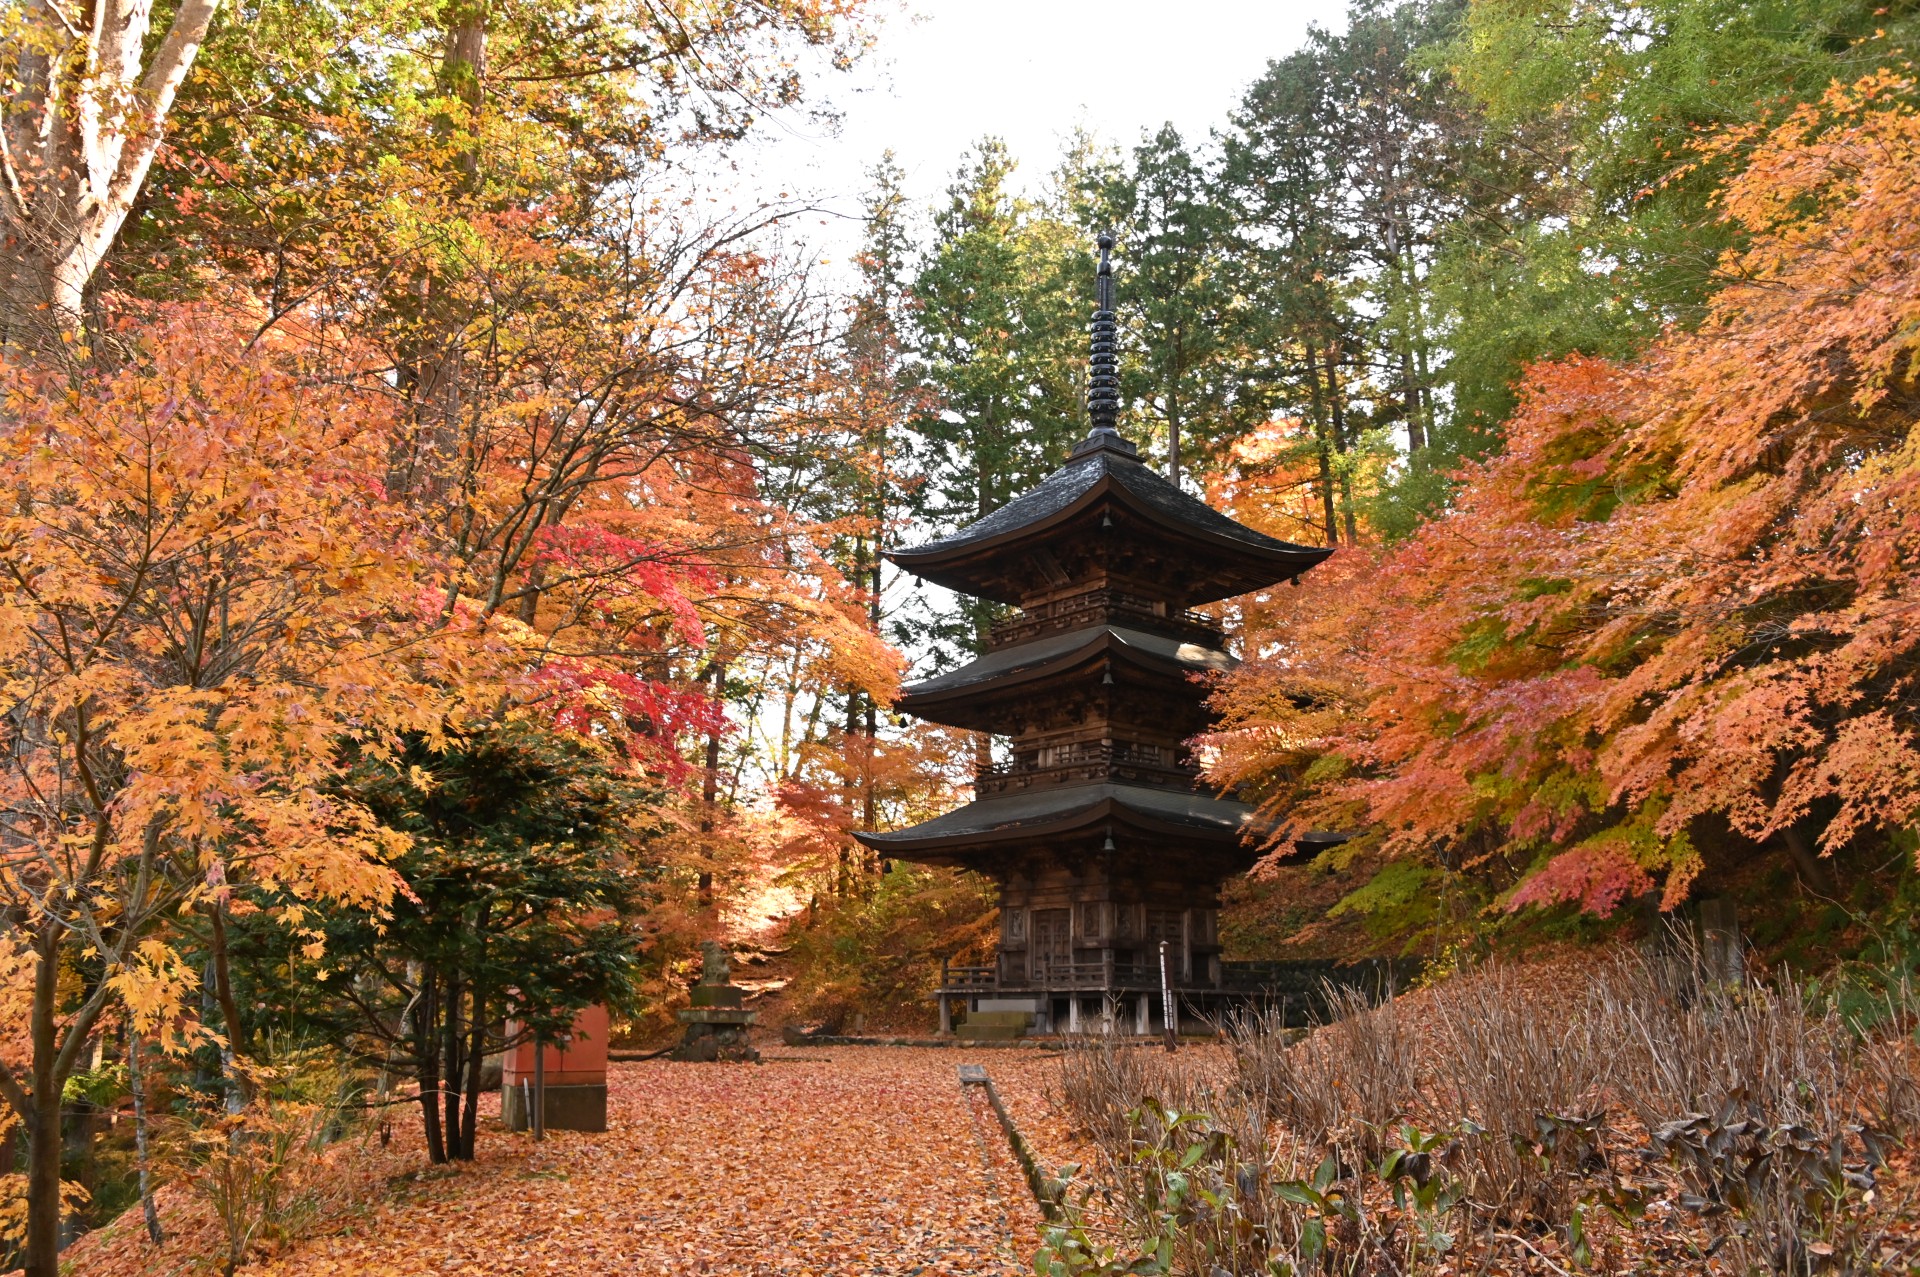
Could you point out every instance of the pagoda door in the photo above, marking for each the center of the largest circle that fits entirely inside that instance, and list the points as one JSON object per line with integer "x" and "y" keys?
{"x": 1052, "y": 947}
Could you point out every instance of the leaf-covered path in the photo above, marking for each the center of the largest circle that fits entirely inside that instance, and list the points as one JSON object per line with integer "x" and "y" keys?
{"x": 842, "y": 1161}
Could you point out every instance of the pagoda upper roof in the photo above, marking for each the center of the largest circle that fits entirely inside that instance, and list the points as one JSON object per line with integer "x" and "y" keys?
{"x": 1220, "y": 557}
{"x": 1062, "y": 811}
{"x": 955, "y": 698}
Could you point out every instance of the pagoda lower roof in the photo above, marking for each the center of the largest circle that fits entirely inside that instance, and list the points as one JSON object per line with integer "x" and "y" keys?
{"x": 1227, "y": 557}
{"x": 1062, "y": 811}
{"x": 957, "y": 694}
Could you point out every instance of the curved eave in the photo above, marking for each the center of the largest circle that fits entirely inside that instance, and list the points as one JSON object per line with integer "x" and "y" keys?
{"x": 1250, "y": 560}
{"x": 963, "y": 693}
{"x": 1065, "y": 812}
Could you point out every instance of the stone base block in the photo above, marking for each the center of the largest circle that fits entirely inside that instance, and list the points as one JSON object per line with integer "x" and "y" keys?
{"x": 708, "y": 1043}
{"x": 581, "y": 1107}
{"x": 717, "y": 1015}
{"x": 1032, "y": 1004}
{"x": 971, "y": 1032}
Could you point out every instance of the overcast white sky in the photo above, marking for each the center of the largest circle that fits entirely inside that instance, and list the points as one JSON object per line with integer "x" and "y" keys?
{"x": 946, "y": 72}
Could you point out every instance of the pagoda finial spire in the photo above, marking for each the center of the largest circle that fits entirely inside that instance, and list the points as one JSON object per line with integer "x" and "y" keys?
{"x": 1103, "y": 388}
{"x": 1103, "y": 384}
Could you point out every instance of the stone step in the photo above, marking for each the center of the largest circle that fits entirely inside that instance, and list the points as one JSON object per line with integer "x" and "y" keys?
{"x": 1018, "y": 1019}
{"x": 971, "y": 1032}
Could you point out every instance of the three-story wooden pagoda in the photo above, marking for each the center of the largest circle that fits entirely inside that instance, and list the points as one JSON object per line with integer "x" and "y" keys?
{"x": 1096, "y": 828}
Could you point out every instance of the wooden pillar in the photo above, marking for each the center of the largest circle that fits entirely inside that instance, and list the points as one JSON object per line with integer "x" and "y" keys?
{"x": 946, "y": 1007}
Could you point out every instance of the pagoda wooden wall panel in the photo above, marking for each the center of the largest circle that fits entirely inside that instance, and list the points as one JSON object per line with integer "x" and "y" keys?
{"x": 1095, "y": 927}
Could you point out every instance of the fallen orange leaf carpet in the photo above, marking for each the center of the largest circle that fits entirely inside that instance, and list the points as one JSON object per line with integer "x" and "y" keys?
{"x": 824, "y": 1161}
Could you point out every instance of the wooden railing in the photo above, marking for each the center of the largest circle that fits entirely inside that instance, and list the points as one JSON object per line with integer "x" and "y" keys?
{"x": 1107, "y": 974}
{"x": 1111, "y": 975}
{"x": 1112, "y": 606}
{"x": 1071, "y": 764}
{"x": 952, "y": 977}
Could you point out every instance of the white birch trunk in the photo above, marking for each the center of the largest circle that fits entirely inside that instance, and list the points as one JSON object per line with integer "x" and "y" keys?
{"x": 79, "y": 129}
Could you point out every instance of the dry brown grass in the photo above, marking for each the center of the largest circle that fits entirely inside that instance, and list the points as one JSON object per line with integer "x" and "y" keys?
{"x": 1531, "y": 1080}
{"x": 1754, "y": 1110}
{"x": 1782, "y": 1051}
{"x": 1344, "y": 1085}
{"x": 1103, "y": 1079}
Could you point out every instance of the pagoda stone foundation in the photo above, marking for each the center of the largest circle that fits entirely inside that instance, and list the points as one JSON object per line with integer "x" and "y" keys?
{"x": 1105, "y": 845}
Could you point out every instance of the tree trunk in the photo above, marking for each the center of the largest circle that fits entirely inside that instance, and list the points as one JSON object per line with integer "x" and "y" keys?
{"x": 463, "y": 73}
{"x": 450, "y": 1056}
{"x": 1328, "y": 512}
{"x": 1416, "y": 428}
{"x": 849, "y": 783}
{"x": 868, "y": 816}
{"x": 1341, "y": 443}
{"x": 1420, "y": 344}
{"x": 476, "y": 1056}
{"x": 137, "y": 1083}
{"x": 239, "y": 1089}
{"x": 710, "y": 784}
{"x": 85, "y": 111}
{"x": 427, "y": 1042}
{"x": 1815, "y": 872}
{"x": 1173, "y": 433}
{"x": 1406, "y": 281}
{"x": 38, "y": 310}
{"x": 429, "y": 373}
{"x": 42, "y": 1258}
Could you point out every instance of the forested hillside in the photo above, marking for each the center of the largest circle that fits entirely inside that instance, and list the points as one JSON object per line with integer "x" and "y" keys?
{"x": 1587, "y": 338}
{"x": 442, "y": 578}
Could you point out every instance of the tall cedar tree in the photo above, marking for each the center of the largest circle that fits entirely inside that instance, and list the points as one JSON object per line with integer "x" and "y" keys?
{"x": 999, "y": 316}
{"x": 1173, "y": 295}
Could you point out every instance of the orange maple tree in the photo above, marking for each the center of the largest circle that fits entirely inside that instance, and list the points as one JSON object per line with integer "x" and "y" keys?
{"x": 206, "y": 591}
{"x": 1679, "y": 605}
{"x": 471, "y": 420}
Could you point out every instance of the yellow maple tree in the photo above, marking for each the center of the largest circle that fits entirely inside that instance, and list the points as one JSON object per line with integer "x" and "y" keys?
{"x": 204, "y": 592}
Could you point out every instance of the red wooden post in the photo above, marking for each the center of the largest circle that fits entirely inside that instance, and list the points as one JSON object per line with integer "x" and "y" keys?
{"x": 570, "y": 1076}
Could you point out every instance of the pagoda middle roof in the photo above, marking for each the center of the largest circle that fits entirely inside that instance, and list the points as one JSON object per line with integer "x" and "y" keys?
{"x": 1054, "y": 653}
{"x": 1098, "y": 473}
{"x": 1060, "y": 810}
